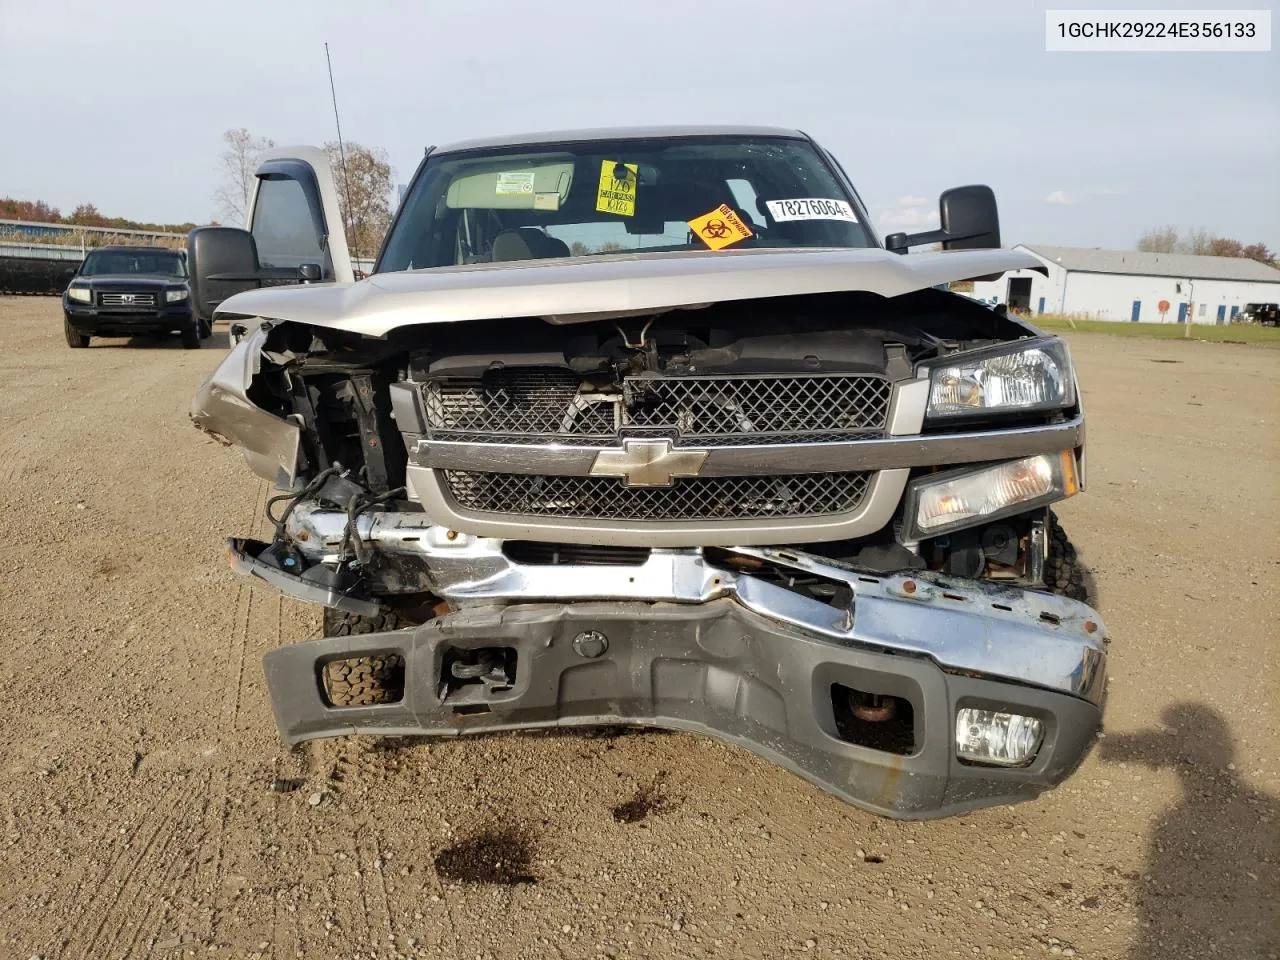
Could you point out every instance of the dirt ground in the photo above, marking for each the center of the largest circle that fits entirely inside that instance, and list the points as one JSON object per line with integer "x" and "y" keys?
{"x": 148, "y": 810}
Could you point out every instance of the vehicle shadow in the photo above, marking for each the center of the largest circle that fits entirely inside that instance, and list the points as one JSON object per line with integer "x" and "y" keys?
{"x": 219, "y": 340}
{"x": 1093, "y": 597}
{"x": 1212, "y": 874}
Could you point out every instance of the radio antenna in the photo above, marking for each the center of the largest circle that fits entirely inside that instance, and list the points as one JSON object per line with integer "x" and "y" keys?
{"x": 342, "y": 156}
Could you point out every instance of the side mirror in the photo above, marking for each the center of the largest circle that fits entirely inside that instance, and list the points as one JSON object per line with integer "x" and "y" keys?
{"x": 969, "y": 216}
{"x": 310, "y": 272}
{"x": 221, "y": 261}
{"x": 969, "y": 222}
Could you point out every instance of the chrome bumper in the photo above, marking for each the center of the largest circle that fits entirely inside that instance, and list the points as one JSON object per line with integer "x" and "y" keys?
{"x": 974, "y": 627}
{"x": 718, "y": 668}
{"x": 682, "y": 643}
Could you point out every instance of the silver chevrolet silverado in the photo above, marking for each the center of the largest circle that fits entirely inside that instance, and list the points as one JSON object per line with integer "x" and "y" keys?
{"x": 649, "y": 427}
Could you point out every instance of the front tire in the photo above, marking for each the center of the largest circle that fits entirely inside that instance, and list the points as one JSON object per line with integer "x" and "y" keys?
{"x": 191, "y": 335}
{"x": 1064, "y": 574}
{"x": 362, "y": 681}
{"x": 75, "y": 339}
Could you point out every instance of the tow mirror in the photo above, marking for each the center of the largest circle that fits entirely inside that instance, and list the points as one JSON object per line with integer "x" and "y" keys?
{"x": 221, "y": 261}
{"x": 969, "y": 222}
{"x": 969, "y": 218}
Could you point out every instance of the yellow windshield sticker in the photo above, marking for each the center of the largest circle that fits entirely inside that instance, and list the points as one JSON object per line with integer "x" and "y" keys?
{"x": 617, "y": 195}
{"x": 720, "y": 228}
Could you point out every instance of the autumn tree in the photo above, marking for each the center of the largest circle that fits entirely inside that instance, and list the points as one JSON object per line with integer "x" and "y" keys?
{"x": 239, "y": 162}
{"x": 87, "y": 215}
{"x": 36, "y": 211}
{"x": 1259, "y": 252}
{"x": 1224, "y": 247}
{"x": 1202, "y": 242}
{"x": 364, "y": 194}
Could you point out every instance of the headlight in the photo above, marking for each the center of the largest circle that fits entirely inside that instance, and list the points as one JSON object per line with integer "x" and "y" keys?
{"x": 80, "y": 294}
{"x": 173, "y": 296}
{"x": 1028, "y": 377}
{"x": 937, "y": 505}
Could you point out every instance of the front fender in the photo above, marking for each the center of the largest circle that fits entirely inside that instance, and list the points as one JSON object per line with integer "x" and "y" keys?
{"x": 222, "y": 409}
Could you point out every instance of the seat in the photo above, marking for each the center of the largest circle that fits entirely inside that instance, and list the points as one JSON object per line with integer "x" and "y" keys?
{"x": 512, "y": 245}
{"x": 527, "y": 243}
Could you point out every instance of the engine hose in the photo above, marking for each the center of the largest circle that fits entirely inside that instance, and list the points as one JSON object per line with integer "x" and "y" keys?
{"x": 296, "y": 498}
{"x": 351, "y": 533}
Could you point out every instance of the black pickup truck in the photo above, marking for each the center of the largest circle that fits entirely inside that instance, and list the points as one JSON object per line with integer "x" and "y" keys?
{"x": 131, "y": 291}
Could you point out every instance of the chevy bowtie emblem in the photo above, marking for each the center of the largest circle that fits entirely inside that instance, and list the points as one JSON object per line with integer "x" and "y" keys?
{"x": 648, "y": 463}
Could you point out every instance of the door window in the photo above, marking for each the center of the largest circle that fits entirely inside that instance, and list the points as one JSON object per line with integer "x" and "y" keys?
{"x": 284, "y": 226}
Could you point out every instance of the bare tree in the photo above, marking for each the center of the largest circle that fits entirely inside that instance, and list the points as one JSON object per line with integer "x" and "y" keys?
{"x": 364, "y": 195}
{"x": 239, "y": 161}
{"x": 1202, "y": 242}
{"x": 1159, "y": 240}
{"x": 1198, "y": 242}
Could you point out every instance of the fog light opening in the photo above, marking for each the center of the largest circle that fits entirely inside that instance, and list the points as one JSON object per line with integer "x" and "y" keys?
{"x": 876, "y": 720}
{"x": 992, "y": 738}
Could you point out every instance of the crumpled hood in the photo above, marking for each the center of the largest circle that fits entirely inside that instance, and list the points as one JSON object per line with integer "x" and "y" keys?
{"x": 592, "y": 288}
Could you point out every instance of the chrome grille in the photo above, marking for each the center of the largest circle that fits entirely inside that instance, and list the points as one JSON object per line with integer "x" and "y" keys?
{"x": 696, "y": 498}
{"x": 548, "y": 404}
{"x": 127, "y": 299}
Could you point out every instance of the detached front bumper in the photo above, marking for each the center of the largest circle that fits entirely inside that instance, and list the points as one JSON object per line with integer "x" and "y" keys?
{"x": 749, "y": 662}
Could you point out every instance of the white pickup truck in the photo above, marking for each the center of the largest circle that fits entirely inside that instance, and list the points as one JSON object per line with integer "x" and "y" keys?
{"x": 648, "y": 426}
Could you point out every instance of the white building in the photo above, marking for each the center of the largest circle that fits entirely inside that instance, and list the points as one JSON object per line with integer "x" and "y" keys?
{"x": 1136, "y": 286}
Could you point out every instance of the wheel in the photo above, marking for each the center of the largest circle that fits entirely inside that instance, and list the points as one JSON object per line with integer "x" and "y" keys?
{"x": 75, "y": 338}
{"x": 362, "y": 681}
{"x": 205, "y": 329}
{"x": 191, "y": 336}
{"x": 1064, "y": 574}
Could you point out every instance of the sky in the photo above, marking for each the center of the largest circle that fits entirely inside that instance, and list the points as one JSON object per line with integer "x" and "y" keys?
{"x": 123, "y": 105}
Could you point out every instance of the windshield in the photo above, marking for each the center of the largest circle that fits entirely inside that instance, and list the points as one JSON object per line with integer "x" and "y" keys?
{"x": 102, "y": 263}
{"x": 621, "y": 196}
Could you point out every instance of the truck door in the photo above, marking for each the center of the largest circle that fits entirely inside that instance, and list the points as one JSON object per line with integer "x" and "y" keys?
{"x": 294, "y": 215}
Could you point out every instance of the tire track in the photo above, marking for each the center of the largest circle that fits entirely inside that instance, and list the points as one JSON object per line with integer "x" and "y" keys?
{"x": 233, "y": 663}
{"x": 125, "y": 880}
{"x": 380, "y": 868}
{"x": 166, "y": 886}
{"x": 97, "y": 886}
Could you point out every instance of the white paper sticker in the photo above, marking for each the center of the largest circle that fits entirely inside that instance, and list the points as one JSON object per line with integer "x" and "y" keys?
{"x": 810, "y": 208}
{"x": 546, "y": 201}
{"x": 515, "y": 182}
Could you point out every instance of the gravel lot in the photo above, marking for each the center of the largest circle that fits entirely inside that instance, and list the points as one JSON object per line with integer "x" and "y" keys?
{"x": 148, "y": 810}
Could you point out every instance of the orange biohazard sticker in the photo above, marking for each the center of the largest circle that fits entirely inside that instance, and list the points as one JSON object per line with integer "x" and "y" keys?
{"x": 720, "y": 228}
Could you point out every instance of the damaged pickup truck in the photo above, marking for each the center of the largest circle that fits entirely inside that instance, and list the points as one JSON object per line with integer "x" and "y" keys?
{"x": 649, "y": 427}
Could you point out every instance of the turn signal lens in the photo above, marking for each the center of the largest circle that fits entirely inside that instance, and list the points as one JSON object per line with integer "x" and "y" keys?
{"x": 1001, "y": 739}
{"x": 947, "y": 504}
